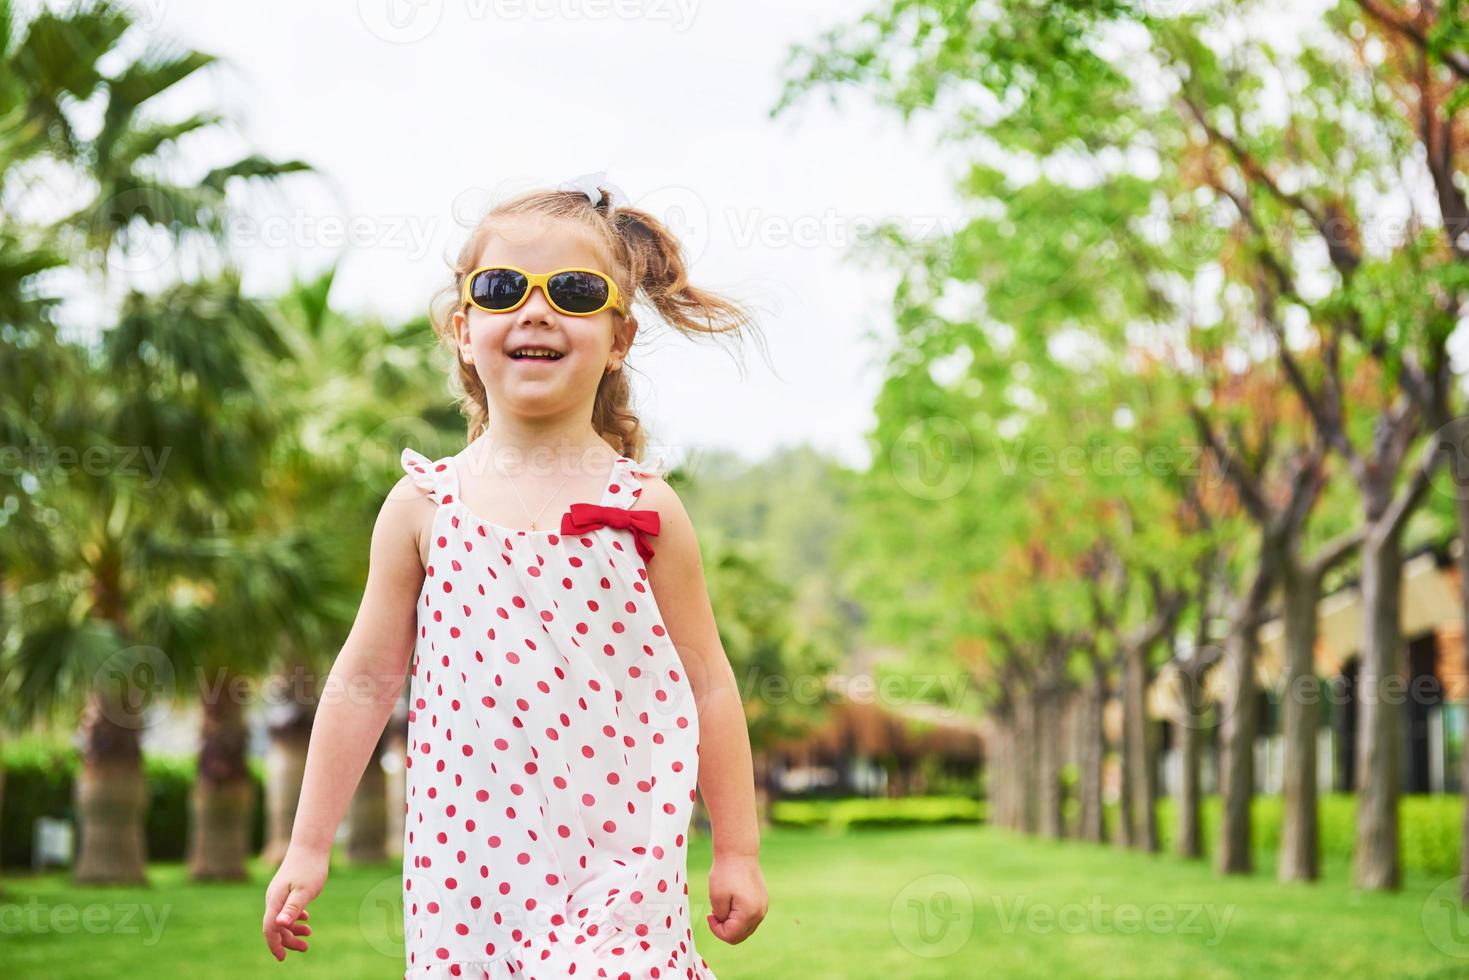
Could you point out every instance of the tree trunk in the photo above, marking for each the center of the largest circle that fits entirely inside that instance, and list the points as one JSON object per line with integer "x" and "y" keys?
{"x": 111, "y": 793}
{"x": 367, "y": 814}
{"x": 1461, "y": 501}
{"x": 1093, "y": 748}
{"x": 1025, "y": 762}
{"x": 1127, "y": 765}
{"x": 290, "y": 707}
{"x": 393, "y": 749}
{"x": 1048, "y": 770}
{"x": 994, "y": 784}
{"x": 4, "y": 645}
{"x": 1189, "y": 841}
{"x": 1299, "y": 848}
{"x": 1001, "y": 764}
{"x": 223, "y": 799}
{"x": 397, "y": 779}
{"x": 1015, "y": 766}
{"x": 1237, "y": 767}
{"x": 1380, "y": 718}
{"x": 2, "y": 755}
{"x": 1142, "y": 787}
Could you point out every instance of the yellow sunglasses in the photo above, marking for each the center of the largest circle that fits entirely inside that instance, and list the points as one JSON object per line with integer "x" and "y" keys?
{"x": 575, "y": 292}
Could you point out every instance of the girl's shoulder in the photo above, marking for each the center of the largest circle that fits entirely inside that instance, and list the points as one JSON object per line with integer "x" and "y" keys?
{"x": 656, "y": 494}
{"x": 430, "y": 482}
{"x": 651, "y": 474}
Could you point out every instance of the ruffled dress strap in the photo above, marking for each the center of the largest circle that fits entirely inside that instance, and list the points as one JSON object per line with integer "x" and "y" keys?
{"x": 435, "y": 476}
{"x": 626, "y": 488}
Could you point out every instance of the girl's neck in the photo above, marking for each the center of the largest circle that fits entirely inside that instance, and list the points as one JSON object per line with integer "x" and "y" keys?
{"x": 512, "y": 442}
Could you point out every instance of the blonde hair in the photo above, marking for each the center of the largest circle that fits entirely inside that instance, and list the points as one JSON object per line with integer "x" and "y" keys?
{"x": 647, "y": 262}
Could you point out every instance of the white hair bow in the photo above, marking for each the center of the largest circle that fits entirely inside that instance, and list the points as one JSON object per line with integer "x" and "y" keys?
{"x": 593, "y": 185}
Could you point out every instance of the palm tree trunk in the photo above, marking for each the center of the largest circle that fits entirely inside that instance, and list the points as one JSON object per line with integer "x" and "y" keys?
{"x": 1379, "y": 732}
{"x": 111, "y": 793}
{"x": 367, "y": 814}
{"x": 397, "y": 779}
{"x": 223, "y": 799}
{"x": 1299, "y": 849}
{"x": 292, "y": 694}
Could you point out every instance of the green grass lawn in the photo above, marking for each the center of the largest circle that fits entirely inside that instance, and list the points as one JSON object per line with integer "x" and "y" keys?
{"x": 946, "y": 902}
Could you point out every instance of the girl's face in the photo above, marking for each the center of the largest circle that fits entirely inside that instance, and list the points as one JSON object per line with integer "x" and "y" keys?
{"x": 588, "y": 344}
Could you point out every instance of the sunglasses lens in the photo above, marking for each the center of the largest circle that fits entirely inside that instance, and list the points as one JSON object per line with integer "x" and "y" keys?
{"x": 497, "y": 289}
{"x": 579, "y": 292}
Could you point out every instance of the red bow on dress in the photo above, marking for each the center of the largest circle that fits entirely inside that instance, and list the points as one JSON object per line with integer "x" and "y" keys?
{"x": 587, "y": 517}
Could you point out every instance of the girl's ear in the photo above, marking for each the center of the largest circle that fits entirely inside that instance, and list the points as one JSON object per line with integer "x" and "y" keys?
{"x": 461, "y": 337}
{"x": 623, "y": 336}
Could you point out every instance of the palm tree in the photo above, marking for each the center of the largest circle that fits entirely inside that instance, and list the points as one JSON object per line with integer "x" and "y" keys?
{"x": 29, "y": 372}
{"x": 147, "y": 571}
{"x": 106, "y": 627}
{"x": 35, "y": 370}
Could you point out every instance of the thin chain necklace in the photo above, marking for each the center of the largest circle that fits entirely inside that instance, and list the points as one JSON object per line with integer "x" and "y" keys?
{"x": 511, "y": 480}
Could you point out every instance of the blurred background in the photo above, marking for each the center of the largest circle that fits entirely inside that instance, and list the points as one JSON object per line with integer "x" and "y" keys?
{"x": 1086, "y": 536}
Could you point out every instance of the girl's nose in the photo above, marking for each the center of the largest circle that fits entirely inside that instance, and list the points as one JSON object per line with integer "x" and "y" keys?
{"x": 536, "y": 306}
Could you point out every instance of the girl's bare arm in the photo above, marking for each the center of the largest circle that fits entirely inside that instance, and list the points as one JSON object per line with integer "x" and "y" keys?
{"x": 368, "y": 674}
{"x": 726, "y": 772}
{"x": 353, "y": 709}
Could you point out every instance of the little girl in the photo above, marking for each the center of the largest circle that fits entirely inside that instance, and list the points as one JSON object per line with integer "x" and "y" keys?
{"x": 568, "y": 688}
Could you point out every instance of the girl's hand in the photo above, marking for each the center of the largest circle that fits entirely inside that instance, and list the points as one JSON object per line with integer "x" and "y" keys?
{"x": 737, "y": 895}
{"x": 300, "y": 878}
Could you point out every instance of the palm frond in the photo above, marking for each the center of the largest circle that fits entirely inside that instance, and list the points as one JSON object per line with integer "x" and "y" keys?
{"x": 254, "y": 167}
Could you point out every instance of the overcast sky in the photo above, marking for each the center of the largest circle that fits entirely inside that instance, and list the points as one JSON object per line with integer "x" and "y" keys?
{"x": 416, "y": 112}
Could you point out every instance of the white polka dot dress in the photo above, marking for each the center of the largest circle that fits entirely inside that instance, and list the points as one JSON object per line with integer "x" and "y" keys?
{"x": 552, "y": 749}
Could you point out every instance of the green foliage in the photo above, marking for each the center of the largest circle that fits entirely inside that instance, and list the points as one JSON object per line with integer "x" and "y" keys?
{"x": 1429, "y": 827}
{"x": 858, "y": 812}
{"x": 38, "y": 783}
{"x": 40, "y": 779}
{"x": 767, "y": 647}
{"x": 837, "y": 911}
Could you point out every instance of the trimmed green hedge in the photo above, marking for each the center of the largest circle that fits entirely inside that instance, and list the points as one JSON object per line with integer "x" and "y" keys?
{"x": 1430, "y": 828}
{"x": 39, "y": 780}
{"x": 880, "y": 812}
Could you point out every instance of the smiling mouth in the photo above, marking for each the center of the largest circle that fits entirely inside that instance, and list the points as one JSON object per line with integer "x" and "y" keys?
{"x": 535, "y": 354}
